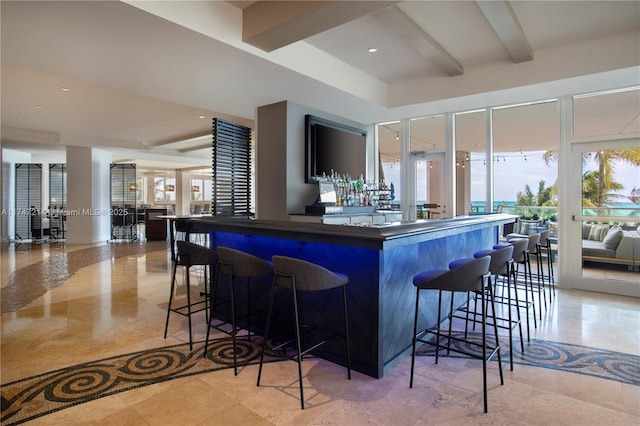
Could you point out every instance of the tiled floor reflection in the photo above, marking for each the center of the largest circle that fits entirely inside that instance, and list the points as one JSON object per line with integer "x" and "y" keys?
{"x": 61, "y": 310}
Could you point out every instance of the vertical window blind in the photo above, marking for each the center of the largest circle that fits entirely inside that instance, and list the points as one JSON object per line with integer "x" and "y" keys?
{"x": 123, "y": 201}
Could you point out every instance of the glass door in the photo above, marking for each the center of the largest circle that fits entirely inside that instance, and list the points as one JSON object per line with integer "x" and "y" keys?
{"x": 428, "y": 169}
{"x": 605, "y": 216}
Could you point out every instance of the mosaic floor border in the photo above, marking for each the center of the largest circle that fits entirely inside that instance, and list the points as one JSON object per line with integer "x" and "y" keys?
{"x": 577, "y": 359}
{"x": 36, "y": 396}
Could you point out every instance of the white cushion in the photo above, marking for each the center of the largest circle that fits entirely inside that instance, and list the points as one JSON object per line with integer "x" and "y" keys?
{"x": 598, "y": 232}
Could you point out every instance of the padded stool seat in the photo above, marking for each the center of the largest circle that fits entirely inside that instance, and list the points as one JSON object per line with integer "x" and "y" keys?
{"x": 190, "y": 254}
{"x": 467, "y": 275}
{"x": 300, "y": 276}
{"x": 459, "y": 262}
{"x": 525, "y": 261}
{"x": 520, "y": 251}
{"x": 500, "y": 266}
{"x": 235, "y": 264}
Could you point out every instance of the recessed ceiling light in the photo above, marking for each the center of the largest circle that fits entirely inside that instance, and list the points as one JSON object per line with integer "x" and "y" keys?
{"x": 39, "y": 107}
{"x": 65, "y": 89}
{"x": 202, "y": 116}
{"x": 372, "y": 50}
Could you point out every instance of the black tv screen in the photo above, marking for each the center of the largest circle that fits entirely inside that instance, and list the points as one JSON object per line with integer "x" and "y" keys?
{"x": 334, "y": 147}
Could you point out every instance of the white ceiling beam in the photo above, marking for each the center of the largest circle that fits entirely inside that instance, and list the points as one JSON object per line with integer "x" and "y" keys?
{"x": 196, "y": 148}
{"x": 187, "y": 138}
{"x": 11, "y": 134}
{"x": 506, "y": 25}
{"x": 270, "y": 25}
{"x": 400, "y": 24}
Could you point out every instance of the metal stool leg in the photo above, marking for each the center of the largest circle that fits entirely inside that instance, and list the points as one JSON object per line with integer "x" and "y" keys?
{"x": 173, "y": 284}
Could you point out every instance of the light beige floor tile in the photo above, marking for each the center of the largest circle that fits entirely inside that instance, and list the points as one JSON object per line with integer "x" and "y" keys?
{"x": 93, "y": 411}
{"x": 118, "y": 306}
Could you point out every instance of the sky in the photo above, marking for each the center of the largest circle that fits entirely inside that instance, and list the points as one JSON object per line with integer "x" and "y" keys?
{"x": 511, "y": 173}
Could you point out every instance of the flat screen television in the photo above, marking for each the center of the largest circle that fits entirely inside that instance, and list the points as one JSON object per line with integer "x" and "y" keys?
{"x": 333, "y": 146}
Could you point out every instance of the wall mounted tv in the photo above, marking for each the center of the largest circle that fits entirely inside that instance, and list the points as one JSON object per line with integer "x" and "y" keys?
{"x": 333, "y": 146}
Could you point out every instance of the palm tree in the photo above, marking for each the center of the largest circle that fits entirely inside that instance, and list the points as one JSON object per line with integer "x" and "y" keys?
{"x": 607, "y": 161}
{"x": 634, "y": 196}
{"x": 591, "y": 195}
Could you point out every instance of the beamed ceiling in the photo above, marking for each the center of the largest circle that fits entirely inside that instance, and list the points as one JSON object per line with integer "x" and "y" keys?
{"x": 140, "y": 74}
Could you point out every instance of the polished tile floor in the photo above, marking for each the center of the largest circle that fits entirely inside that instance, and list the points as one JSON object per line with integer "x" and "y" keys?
{"x": 59, "y": 310}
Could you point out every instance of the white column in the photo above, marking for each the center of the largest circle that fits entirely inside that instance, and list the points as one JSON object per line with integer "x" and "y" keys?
{"x": 449, "y": 208}
{"x": 3, "y": 218}
{"x": 407, "y": 172}
{"x": 150, "y": 192}
{"x": 183, "y": 192}
{"x": 88, "y": 195}
{"x": 570, "y": 261}
{"x": 489, "y": 160}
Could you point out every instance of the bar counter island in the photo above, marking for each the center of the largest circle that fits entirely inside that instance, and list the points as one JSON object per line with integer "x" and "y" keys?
{"x": 380, "y": 261}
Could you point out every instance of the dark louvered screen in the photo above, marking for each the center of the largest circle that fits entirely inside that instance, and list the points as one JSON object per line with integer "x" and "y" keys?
{"x": 57, "y": 200}
{"x": 28, "y": 211}
{"x": 231, "y": 168}
{"x": 123, "y": 202}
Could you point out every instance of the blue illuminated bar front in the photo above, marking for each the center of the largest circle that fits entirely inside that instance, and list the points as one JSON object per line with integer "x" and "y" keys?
{"x": 380, "y": 263}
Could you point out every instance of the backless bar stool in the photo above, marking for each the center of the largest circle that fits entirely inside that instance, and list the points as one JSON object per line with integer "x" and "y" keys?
{"x": 469, "y": 275}
{"x": 190, "y": 254}
{"x": 301, "y": 276}
{"x": 235, "y": 264}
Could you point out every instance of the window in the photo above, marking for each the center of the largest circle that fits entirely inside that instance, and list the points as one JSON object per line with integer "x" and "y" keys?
{"x": 524, "y": 148}
{"x": 389, "y": 152}
{"x": 201, "y": 186}
{"x": 471, "y": 144}
{"x": 165, "y": 189}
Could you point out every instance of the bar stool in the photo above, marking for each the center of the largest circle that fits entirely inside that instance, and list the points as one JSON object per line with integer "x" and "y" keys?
{"x": 301, "y": 276}
{"x": 185, "y": 229}
{"x": 181, "y": 226}
{"x": 520, "y": 252}
{"x": 190, "y": 254}
{"x": 199, "y": 233}
{"x": 544, "y": 247}
{"x": 468, "y": 275}
{"x": 235, "y": 264}
{"x": 500, "y": 266}
{"x": 534, "y": 239}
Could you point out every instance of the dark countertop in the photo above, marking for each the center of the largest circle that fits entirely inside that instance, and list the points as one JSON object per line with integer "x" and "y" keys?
{"x": 373, "y": 236}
